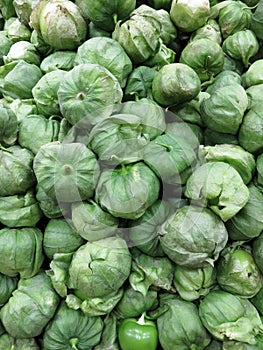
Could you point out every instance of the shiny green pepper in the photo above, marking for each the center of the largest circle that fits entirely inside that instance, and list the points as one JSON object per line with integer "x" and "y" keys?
{"x": 138, "y": 334}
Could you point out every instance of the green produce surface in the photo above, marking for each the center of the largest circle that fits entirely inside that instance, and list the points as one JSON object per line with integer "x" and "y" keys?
{"x": 131, "y": 175}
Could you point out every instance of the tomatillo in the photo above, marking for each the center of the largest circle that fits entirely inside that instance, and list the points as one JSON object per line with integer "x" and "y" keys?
{"x": 138, "y": 334}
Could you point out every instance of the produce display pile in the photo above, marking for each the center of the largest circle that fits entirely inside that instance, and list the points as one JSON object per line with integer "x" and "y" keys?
{"x": 131, "y": 175}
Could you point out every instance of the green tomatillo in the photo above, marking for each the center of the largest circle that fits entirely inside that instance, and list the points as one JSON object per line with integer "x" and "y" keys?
{"x": 138, "y": 334}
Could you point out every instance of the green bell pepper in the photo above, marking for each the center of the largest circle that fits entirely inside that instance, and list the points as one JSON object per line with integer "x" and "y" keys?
{"x": 138, "y": 334}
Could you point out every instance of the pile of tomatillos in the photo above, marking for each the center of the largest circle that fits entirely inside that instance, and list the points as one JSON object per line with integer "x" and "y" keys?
{"x": 131, "y": 175}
